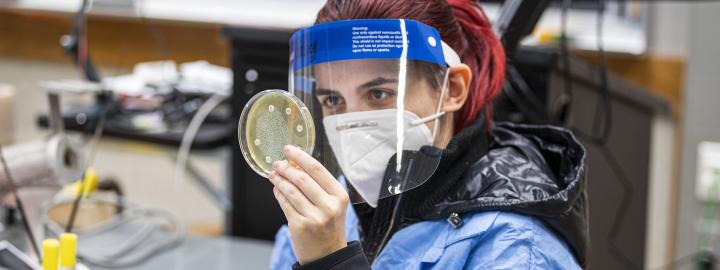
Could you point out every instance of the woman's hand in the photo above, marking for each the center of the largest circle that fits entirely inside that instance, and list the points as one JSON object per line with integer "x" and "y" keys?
{"x": 314, "y": 204}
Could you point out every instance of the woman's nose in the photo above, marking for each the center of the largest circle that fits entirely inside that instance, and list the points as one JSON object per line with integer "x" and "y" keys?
{"x": 354, "y": 106}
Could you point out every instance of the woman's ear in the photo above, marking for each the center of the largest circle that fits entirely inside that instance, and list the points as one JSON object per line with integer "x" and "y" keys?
{"x": 458, "y": 86}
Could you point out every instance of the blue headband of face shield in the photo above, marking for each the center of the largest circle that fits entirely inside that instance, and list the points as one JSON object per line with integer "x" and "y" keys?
{"x": 368, "y": 39}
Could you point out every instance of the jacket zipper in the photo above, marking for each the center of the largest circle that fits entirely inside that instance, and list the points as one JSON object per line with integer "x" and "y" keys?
{"x": 390, "y": 228}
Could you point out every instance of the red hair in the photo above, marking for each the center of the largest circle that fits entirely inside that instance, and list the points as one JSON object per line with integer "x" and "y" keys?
{"x": 462, "y": 25}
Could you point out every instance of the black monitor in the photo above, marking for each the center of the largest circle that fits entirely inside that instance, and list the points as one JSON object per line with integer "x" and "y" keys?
{"x": 260, "y": 61}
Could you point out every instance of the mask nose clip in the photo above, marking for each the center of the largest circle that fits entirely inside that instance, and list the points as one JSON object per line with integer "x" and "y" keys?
{"x": 360, "y": 124}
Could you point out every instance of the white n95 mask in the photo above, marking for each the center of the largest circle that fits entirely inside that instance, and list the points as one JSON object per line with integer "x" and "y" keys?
{"x": 364, "y": 142}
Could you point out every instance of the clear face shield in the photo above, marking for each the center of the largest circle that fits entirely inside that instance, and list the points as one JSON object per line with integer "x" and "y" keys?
{"x": 373, "y": 91}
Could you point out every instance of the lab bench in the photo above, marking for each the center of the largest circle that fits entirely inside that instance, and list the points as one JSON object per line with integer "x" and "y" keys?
{"x": 210, "y": 253}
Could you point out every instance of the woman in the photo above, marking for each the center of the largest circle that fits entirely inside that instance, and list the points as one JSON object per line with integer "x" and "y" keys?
{"x": 497, "y": 196}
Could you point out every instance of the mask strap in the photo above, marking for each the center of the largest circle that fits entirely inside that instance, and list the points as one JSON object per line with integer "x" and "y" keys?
{"x": 423, "y": 120}
{"x": 437, "y": 113}
{"x": 451, "y": 59}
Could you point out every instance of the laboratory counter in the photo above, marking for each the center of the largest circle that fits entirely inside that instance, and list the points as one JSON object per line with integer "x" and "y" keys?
{"x": 210, "y": 253}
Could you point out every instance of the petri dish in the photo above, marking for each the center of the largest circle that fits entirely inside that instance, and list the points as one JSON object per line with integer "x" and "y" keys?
{"x": 270, "y": 120}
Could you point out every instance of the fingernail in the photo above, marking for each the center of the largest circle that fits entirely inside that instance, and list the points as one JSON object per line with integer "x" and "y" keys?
{"x": 287, "y": 150}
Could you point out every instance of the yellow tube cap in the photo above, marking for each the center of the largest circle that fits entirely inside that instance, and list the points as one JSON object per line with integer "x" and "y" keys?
{"x": 51, "y": 248}
{"x": 91, "y": 181}
{"x": 68, "y": 249}
{"x": 88, "y": 186}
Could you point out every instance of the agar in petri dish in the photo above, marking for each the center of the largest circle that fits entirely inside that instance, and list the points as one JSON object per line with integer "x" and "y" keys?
{"x": 270, "y": 120}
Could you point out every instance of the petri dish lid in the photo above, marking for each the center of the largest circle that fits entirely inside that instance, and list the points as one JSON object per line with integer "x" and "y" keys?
{"x": 270, "y": 120}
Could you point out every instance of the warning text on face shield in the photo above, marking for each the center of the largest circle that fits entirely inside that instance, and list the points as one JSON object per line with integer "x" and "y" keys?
{"x": 366, "y": 40}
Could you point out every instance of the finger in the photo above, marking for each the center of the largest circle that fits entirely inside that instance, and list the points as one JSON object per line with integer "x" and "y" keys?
{"x": 293, "y": 195}
{"x": 316, "y": 170}
{"x": 303, "y": 181}
{"x": 290, "y": 212}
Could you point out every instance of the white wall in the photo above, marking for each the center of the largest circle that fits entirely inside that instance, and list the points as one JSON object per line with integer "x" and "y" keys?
{"x": 668, "y": 27}
{"x": 701, "y": 111}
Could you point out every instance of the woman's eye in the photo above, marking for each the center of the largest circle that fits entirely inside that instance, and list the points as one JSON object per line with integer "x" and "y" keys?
{"x": 332, "y": 101}
{"x": 379, "y": 94}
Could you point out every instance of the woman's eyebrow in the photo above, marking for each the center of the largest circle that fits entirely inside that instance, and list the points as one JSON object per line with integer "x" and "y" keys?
{"x": 325, "y": 92}
{"x": 376, "y": 82}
